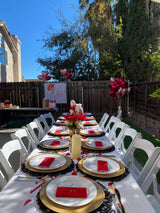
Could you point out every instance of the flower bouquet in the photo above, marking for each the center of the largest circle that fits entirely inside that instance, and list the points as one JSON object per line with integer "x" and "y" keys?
{"x": 76, "y": 116}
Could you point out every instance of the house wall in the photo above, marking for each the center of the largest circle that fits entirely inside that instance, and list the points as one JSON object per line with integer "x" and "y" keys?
{"x": 11, "y": 47}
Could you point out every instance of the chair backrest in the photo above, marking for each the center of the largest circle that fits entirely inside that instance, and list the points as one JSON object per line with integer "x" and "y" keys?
{"x": 103, "y": 120}
{"x": 130, "y": 160}
{"x": 5, "y": 153}
{"x": 128, "y": 137}
{"x": 150, "y": 185}
{"x": 110, "y": 124}
{"x": 25, "y": 137}
{"x": 116, "y": 132}
{"x": 49, "y": 119}
{"x": 35, "y": 131}
{"x": 41, "y": 122}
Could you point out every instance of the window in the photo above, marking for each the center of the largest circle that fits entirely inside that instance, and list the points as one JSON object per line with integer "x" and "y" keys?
{"x": 3, "y": 53}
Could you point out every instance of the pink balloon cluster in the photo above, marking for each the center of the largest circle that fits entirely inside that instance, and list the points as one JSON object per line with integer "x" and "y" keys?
{"x": 119, "y": 87}
{"x": 65, "y": 73}
{"x": 44, "y": 76}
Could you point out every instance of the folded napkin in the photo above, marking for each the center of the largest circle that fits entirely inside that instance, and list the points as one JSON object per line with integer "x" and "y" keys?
{"x": 77, "y": 192}
{"x": 91, "y": 131}
{"x": 102, "y": 165}
{"x": 58, "y": 131}
{"x": 84, "y": 138}
{"x": 87, "y": 122}
{"x": 98, "y": 144}
{"x": 63, "y": 122}
{"x": 54, "y": 143}
{"x": 46, "y": 162}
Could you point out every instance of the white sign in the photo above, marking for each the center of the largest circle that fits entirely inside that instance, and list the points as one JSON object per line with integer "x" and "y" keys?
{"x": 56, "y": 91}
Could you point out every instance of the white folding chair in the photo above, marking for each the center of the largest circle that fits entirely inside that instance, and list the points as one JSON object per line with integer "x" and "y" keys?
{"x": 41, "y": 122}
{"x": 8, "y": 162}
{"x": 150, "y": 185}
{"x": 36, "y": 133}
{"x": 116, "y": 132}
{"x": 130, "y": 160}
{"x": 103, "y": 120}
{"x": 128, "y": 137}
{"x": 49, "y": 119}
{"x": 110, "y": 124}
{"x": 25, "y": 137}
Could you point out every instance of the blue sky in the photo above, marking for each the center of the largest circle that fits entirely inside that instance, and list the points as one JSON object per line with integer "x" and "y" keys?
{"x": 30, "y": 20}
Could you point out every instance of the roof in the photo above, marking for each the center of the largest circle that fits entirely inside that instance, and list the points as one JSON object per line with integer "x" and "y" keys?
{"x": 8, "y": 36}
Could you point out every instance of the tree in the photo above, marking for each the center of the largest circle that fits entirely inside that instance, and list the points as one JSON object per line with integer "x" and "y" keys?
{"x": 71, "y": 48}
{"x": 136, "y": 42}
{"x": 104, "y": 36}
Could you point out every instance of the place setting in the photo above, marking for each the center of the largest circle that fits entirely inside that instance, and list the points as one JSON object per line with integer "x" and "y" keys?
{"x": 54, "y": 144}
{"x": 60, "y": 131}
{"x": 100, "y": 145}
{"x": 74, "y": 193}
{"x": 89, "y": 132}
{"x": 90, "y": 123}
{"x": 103, "y": 167}
{"x": 60, "y": 123}
{"x": 48, "y": 164}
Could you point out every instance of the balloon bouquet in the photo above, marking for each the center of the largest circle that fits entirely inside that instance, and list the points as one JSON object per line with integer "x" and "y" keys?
{"x": 44, "y": 76}
{"x": 119, "y": 88}
{"x": 65, "y": 73}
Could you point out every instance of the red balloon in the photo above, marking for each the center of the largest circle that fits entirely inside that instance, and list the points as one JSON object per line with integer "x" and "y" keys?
{"x": 115, "y": 88}
{"x": 112, "y": 79}
{"x": 124, "y": 84}
{"x": 112, "y": 94}
{"x": 44, "y": 73}
{"x": 69, "y": 75}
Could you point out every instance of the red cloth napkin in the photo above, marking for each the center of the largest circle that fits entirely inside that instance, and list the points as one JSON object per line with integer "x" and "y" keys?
{"x": 46, "y": 162}
{"x": 77, "y": 192}
{"x": 102, "y": 165}
{"x": 98, "y": 144}
{"x": 55, "y": 143}
{"x": 84, "y": 138}
{"x": 87, "y": 122}
{"x": 91, "y": 131}
{"x": 58, "y": 131}
{"x": 63, "y": 122}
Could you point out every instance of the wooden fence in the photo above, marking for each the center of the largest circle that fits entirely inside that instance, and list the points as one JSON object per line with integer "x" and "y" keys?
{"x": 143, "y": 106}
{"x": 94, "y": 95}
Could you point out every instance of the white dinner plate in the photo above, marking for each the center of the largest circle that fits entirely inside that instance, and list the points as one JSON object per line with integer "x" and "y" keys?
{"x": 68, "y": 181}
{"x": 86, "y": 131}
{"x": 88, "y": 113}
{"x": 90, "y": 118}
{"x": 58, "y": 162}
{"x": 89, "y": 122}
{"x": 61, "y": 122}
{"x": 91, "y": 143}
{"x": 61, "y": 144}
{"x": 64, "y": 130}
{"x": 90, "y": 164}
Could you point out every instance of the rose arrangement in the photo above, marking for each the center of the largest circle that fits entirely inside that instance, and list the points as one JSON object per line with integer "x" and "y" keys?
{"x": 76, "y": 116}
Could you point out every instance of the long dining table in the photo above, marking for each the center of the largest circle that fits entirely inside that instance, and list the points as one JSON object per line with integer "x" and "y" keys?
{"x": 21, "y": 194}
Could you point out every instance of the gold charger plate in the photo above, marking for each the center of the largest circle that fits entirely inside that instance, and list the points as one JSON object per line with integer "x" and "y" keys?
{"x": 66, "y": 165}
{"x": 61, "y": 118}
{"x": 89, "y": 119}
{"x": 94, "y": 204}
{"x": 90, "y": 135}
{"x": 91, "y": 124}
{"x": 53, "y": 147}
{"x": 111, "y": 175}
{"x": 84, "y": 145}
{"x": 58, "y": 134}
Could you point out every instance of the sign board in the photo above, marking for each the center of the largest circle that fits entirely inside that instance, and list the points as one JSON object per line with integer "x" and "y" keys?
{"x": 56, "y": 91}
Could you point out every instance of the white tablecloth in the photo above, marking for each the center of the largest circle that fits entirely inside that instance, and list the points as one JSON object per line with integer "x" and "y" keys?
{"x": 16, "y": 193}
